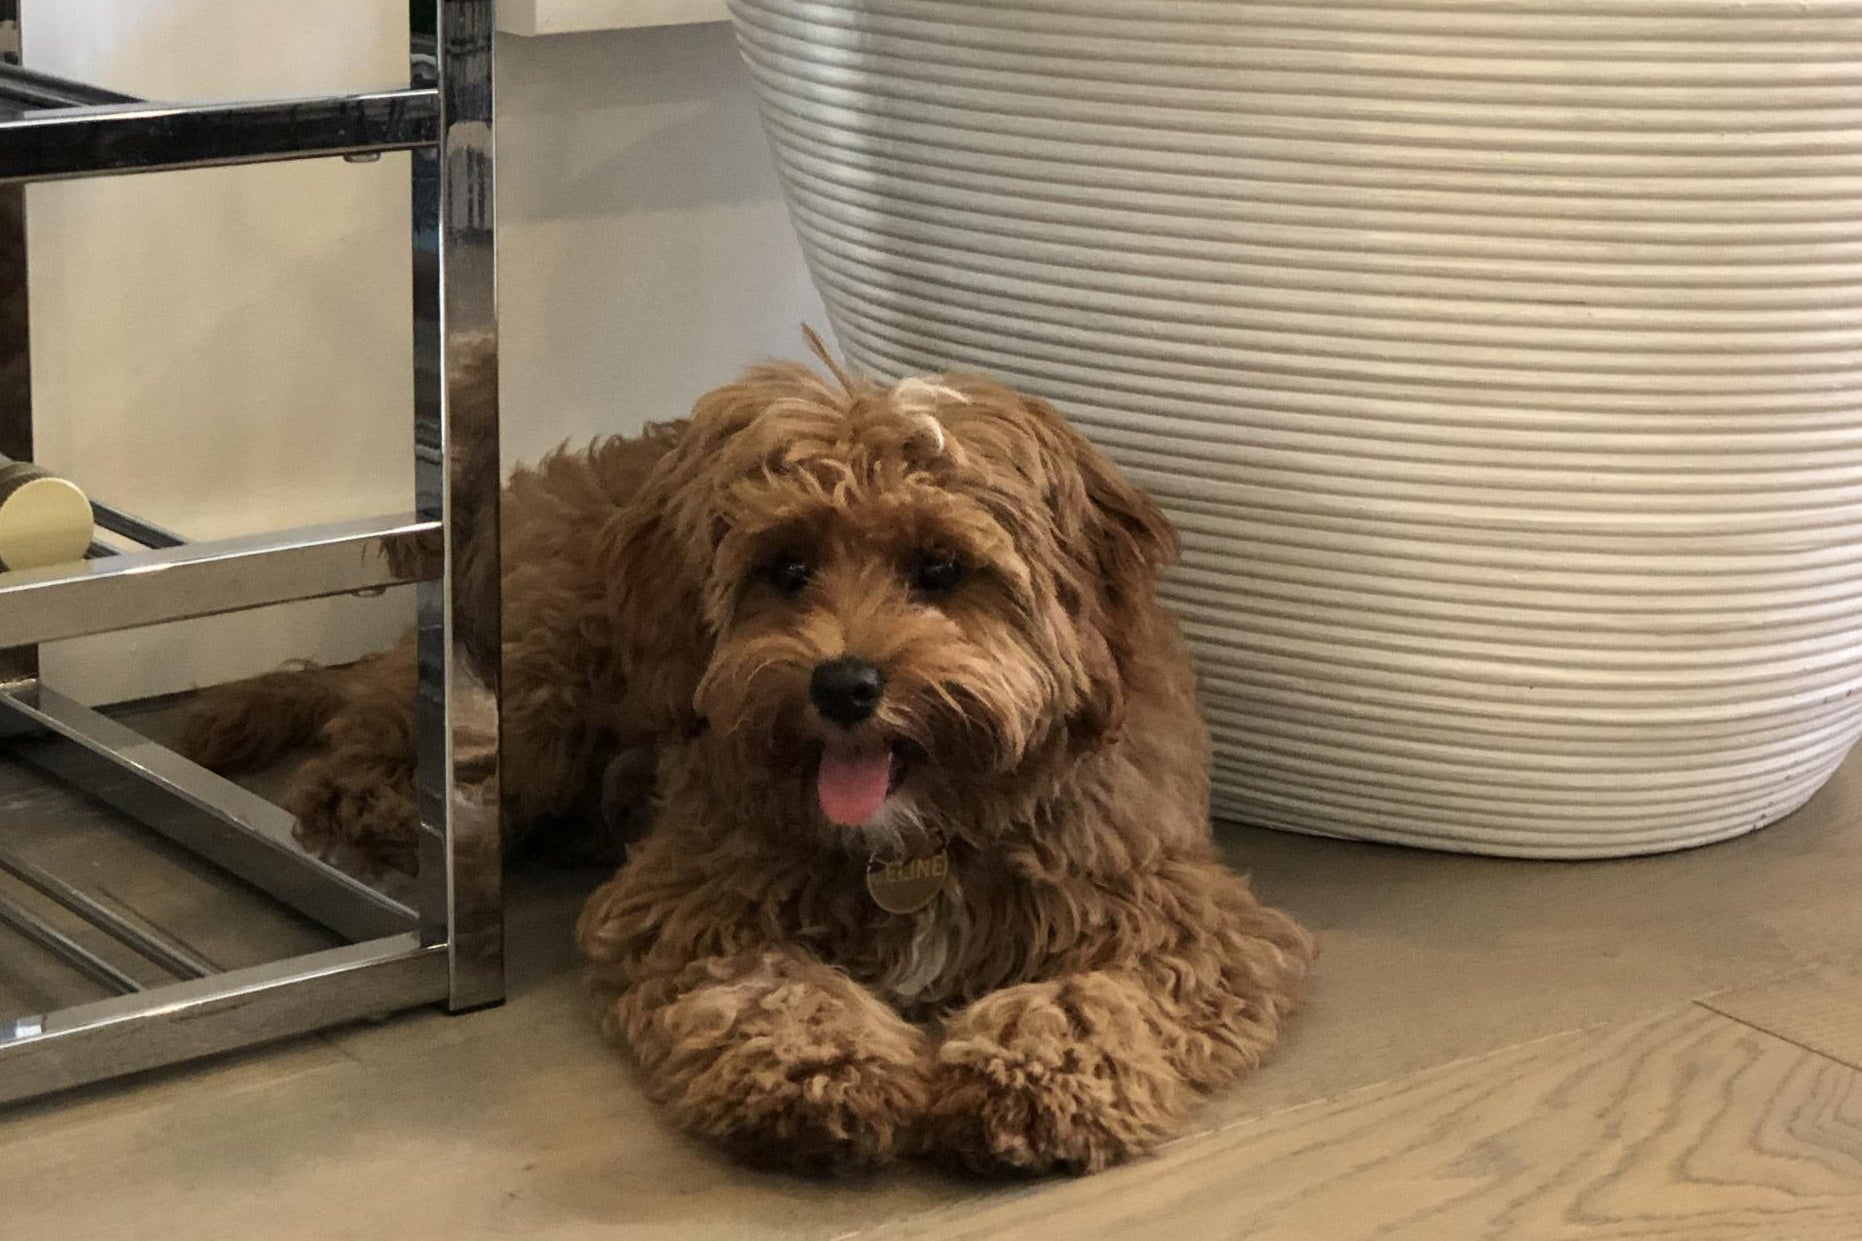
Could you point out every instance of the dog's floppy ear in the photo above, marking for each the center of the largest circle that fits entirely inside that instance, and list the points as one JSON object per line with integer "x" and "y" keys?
{"x": 655, "y": 559}
{"x": 1118, "y": 542}
{"x": 657, "y": 551}
{"x": 655, "y": 580}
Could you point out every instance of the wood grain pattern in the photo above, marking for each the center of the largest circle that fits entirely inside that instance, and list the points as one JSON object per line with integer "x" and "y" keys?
{"x": 1429, "y": 959}
{"x": 1820, "y": 1009}
{"x": 1684, "y": 1125}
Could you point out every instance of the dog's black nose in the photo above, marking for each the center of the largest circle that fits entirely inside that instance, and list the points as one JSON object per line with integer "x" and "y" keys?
{"x": 846, "y": 690}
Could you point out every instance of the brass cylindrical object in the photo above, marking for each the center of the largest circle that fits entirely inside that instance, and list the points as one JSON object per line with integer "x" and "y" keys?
{"x": 44, "y": 520}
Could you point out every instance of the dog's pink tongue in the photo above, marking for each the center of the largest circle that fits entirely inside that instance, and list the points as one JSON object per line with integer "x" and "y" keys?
{"x": 853, "y": 783}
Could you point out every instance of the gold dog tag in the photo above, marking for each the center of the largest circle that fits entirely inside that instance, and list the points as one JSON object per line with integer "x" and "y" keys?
{"x": 907, "y": 887}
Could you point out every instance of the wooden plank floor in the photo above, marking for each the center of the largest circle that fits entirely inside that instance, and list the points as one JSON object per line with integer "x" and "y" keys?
{"x": 1678, "y": 1124}
{"x": 1665, "y": 1047}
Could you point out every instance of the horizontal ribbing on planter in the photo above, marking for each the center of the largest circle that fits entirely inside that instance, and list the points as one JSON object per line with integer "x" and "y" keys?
{"x": 1500, "y": 362}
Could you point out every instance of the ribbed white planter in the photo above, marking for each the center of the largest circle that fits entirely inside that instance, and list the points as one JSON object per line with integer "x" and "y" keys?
{"x": 1498, "y": 359}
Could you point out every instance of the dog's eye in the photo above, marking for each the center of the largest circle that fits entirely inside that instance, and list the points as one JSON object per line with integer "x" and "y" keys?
{"x": 937, "y": 573}
{"x": 788, "y": 574}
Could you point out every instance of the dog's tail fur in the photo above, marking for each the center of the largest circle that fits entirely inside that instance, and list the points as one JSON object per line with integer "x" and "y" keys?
{"x": 247, "y": 724}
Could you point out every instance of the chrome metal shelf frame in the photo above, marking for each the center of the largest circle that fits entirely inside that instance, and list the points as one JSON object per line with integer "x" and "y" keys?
{"x": 443, "y": 941}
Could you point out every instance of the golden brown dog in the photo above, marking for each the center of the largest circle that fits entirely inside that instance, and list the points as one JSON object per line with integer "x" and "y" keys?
{"x": 859, "y": 626}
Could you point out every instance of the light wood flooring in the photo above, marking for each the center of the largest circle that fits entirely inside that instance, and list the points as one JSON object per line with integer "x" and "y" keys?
{"x": 1661, "y": 1048}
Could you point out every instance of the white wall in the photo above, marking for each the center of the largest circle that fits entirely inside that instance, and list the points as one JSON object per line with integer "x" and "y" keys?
{"x": 645, "y": 252}
{"x": 227, "y": 351}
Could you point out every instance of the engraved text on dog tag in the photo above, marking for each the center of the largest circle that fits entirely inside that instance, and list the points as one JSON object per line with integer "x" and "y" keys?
{"x": 908, "y": 886}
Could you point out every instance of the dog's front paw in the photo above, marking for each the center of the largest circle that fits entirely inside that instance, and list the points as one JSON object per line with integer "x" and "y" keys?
{"x": 842, "y": 1115}
{"x": 1051, "y": 1077}
{"x": 355, "y": 815}
{"x": 783, "y": 1072}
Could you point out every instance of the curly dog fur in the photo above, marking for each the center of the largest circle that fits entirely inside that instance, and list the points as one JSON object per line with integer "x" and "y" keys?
{"x": 1090, "y": 967}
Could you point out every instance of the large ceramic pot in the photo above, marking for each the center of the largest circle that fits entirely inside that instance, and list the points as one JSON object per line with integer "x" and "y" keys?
{"x": 1498, "y": 360}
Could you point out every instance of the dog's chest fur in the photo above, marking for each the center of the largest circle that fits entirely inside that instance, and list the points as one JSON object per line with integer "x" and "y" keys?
{"x": 956, "y": 948}
{"x": 925, "y": 965}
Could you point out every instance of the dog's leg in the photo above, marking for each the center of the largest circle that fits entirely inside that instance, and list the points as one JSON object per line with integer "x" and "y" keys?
{"x": 553, "y": 711}
{"x": 1086, "y": 1069}
{"x": 763, "y": 1049}
{"x": 781, "y": 1059}
{"x": 354, "y": 801}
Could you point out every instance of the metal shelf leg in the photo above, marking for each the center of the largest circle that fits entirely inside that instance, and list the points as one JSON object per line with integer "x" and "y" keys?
{"x": 457, "y": 477}
{"x": 18, "y": 664}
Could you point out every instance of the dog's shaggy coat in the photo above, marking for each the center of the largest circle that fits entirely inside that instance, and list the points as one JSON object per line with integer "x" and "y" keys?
{"x": 1090, "y": 966}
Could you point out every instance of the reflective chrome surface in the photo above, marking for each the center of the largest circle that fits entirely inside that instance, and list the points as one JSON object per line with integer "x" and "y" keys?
{"x": 212, "y": 817}
{"x": 457, "y": 477}
{"x": 200, "y": 579}
{"x": 146, "y": 941}
{"x": 17, "y": 662}
{"x": 23, "y": 90}
{"x": 133, "y": 528}
{"x": 29, "y": 926}
{"x": 55, "y": 1051}
{"x": 451, "y": 949}
{"x": 151, "y": 137}
{"x": 15, "y": 354}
